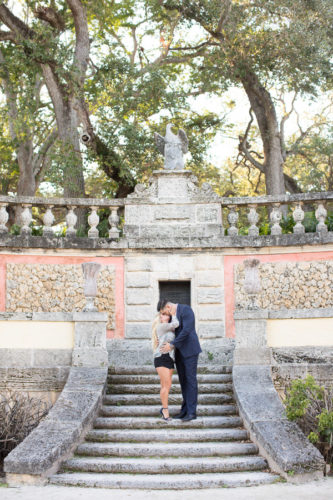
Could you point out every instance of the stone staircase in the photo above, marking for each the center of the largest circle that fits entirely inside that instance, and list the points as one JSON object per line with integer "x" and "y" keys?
{"x": 130, "y": 445}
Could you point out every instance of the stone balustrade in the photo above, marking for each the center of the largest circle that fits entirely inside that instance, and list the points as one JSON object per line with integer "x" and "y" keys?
{"x": 247, "y": 213}
{"x": 46, "y": 206}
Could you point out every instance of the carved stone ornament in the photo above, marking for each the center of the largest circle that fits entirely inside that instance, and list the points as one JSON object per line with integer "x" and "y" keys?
{"x": 71, "y": 219}
{"x": 3, "y": 218}
{"x": 275, "y": 218}
{"x": 233, "y": 219}
{"x": 48, "y": 220}
{"x": 206, "y": 190}
{"x": 253, "y": 218}
{"x": 321, "y": 214}
{"x": 93, "y": 221}
{"x": 143, "y": 191}
{"x": 252, "y": 284}
{"x": 26, "y": 218}
{"x": 90, "y": 273}
{"x": 298, "y": 215}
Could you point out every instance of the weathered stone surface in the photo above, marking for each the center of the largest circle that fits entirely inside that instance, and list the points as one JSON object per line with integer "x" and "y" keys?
{"x": 138, "y": 264}
{"x": 138, "y": 330}
{"x": 210, "y": 278}
{"x": 46, "y": 446}
{"x": 210, "y": 296}
{"x": 139, "y": 313}
{"x": 138, "y": 280}
{"x": 139, "y": 296}
{"x": 209, "y": 312}
{"x": 211, "y": 329}
{"x": 208, "y": 261}
{"x": 34, "y": 379}
{"x": 52, "y": 357}
{"x": 54, "y": 288}
{"x": 16, "y": 358}
{"x": 250, "y": 333}
{"x": 290, "y": 285}
{"x": 280, "y": 441}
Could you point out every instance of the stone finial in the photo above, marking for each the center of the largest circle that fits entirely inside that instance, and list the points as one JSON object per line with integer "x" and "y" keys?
{"x": 90, "y": 273}
{"x": 172, "y": 148}
{"x": 252, "y": 285}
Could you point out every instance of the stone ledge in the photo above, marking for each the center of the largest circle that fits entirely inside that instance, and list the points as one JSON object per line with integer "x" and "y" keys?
{"x": 36, "y": 316}
{"x": 325, "y": 312}
{"x": 284, "y": 240}
{"x": 56, "y": 437}
{"x": 280, "y": 441}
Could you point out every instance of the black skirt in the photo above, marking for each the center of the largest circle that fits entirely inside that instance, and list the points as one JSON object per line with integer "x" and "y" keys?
{"x": 164, "y": 360}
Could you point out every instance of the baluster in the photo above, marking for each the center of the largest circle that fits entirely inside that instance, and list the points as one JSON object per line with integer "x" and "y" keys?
{"x": 275, "y": 218}
{"x": 3, "y": 218}
{"x": 26, "y": 218}
{"x": 253, "y": 218}
{"x": 71, "y": 219}
{"x": 48, "y": 220}
{"x": 113, "y": 221}
{"x": 232, "y": 219}
{"x": 93, "y": 221}
{"x": 321, "y": 214}
{"x": 298, "y": 216}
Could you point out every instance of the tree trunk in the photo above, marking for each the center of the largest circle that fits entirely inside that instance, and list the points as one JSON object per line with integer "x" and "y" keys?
{"x": 263, "y": 107}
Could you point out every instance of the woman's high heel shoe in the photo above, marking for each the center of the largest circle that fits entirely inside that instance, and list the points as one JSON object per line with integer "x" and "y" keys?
{"x": 168, "y": 419}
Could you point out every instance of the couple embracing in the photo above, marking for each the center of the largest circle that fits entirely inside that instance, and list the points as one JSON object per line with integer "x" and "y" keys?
{"x": 175, "y": 341}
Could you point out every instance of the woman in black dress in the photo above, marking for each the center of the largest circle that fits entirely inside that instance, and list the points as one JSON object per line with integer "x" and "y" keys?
{"x": 163, "y": 331}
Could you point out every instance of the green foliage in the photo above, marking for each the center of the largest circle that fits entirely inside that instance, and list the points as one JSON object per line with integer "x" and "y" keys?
{"x": 311, "y": 406}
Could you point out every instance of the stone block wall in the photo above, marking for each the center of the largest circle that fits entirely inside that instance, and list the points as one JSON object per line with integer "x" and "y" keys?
{"x": 143, "y": 273}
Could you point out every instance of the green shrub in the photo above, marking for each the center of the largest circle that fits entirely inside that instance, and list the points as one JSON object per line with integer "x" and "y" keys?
{"x": 311, "y": 406}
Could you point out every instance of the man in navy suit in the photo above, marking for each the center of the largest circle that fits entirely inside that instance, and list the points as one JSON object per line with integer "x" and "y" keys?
{"x": 187, "y": 350}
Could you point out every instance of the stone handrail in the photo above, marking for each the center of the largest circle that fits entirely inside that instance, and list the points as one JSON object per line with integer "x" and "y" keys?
{"x": 275, "y": 205}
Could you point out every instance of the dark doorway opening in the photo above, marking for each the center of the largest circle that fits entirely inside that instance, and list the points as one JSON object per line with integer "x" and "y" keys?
{"x": 178, "y": 292}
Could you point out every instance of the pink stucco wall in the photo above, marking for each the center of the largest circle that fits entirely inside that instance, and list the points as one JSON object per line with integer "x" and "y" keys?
{"x": 117, "y": 262}
{"x": 232, "y": 260}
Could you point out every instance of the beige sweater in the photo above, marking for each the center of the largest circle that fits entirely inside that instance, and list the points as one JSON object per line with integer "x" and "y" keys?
{"x": 165, "y": 333}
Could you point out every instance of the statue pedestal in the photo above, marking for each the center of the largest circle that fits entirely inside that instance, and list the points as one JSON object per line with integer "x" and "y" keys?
{"x": 172, "y": 209}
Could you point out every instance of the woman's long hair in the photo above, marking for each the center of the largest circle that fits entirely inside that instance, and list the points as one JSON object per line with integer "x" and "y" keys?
{"x": 154, "y": 338}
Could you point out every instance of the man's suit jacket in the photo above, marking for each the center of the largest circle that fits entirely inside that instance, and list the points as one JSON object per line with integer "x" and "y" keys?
{"x": 186, "y": 340}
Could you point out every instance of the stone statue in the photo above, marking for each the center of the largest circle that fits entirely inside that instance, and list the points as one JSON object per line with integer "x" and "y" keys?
{"x": 172, "y": 147}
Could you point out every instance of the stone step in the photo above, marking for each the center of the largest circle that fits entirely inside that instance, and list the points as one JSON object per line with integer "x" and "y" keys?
{"x": 155, "y": 388}
{"x": 174, "y": 399}
{"x": 150, "y": 369}
{"x": 153, "y": 410}
{"x": 181, "y": 465}
{"x": 164, "y": 481}
{"x": 207, "y": 449}
{"x": 209, "y": 378}
{"x": 166, "y": 435}
{"x": 157, "y": 422}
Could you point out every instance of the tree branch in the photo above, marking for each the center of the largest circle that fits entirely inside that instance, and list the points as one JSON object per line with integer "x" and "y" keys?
{"x": 39, "y": 159}
{"x": 14, "y": 23}
{"x": 82, "y": 46}
{"x": 7, "y": 35}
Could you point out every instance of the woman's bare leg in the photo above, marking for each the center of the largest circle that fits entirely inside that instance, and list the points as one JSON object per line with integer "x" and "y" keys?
{"x": 165, "y": 375}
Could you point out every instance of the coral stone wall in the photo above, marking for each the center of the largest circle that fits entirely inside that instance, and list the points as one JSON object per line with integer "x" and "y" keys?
{"x": 289, "y": 285}
{"x": 57, "y": 288}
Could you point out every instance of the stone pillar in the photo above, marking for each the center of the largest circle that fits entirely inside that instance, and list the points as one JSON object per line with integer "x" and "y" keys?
{"x": 90, "y": 339}
{"x": 251, "y": 339}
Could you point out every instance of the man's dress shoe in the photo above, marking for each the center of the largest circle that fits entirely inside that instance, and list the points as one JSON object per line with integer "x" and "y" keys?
{"x": 180, "y": 415}
{"x": 187, "y": 418}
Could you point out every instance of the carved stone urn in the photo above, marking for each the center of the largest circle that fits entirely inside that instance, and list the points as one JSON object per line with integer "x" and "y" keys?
{"x": 90, "y": 273}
